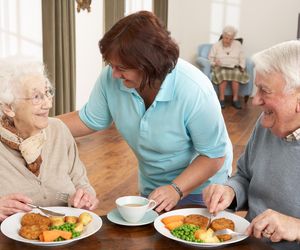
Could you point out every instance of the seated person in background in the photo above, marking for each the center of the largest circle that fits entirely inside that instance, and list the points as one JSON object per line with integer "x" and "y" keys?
{"x": 38, "y": 155}
{"x": 267, "y": 180}
{"x": 228, "y": 64}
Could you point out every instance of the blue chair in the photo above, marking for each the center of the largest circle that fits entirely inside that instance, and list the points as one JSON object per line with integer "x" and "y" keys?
{"x": 202, "y": 61}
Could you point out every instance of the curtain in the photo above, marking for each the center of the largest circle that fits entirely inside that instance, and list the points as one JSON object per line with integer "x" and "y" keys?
{"x": 160, "y": 9}
{"x": 58, "y": 21}
{"x": 114, "y": 10}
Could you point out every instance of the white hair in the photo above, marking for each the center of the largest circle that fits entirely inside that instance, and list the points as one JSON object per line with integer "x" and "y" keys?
{"x": 230, "y": 31}
{"x": 12, "y": 70}
{"x": 283, "y": 58}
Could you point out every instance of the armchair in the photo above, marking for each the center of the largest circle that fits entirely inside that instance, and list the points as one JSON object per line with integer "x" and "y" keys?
{"x": 205, "y": 66}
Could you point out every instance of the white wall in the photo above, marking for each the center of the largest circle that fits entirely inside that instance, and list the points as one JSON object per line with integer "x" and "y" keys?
{"x": 260, "y": 23}
{"x": 89, "y": 30}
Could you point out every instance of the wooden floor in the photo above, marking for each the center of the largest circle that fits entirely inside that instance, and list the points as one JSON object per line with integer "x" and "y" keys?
{"x": 112, "y": 167}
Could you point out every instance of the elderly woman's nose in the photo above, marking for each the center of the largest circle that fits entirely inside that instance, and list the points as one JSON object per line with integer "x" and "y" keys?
{"x": 47, "y": 102}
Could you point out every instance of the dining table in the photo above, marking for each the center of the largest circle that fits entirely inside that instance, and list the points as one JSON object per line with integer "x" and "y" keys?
{"x": 120, "y": 237}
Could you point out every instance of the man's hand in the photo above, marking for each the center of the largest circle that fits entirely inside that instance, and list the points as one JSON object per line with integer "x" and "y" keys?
{"x": 275, "y": 226}
{"x": 217, "y": 197}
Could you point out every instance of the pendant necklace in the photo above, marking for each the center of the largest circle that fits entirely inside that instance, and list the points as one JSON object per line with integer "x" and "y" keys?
{"x": 227, "y": 50}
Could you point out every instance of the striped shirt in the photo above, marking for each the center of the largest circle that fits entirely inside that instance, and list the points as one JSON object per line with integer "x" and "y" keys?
{"x": 295, "y": 136}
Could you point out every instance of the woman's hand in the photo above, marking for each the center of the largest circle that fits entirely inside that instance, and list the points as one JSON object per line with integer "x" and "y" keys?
{"x": 275, "y": 226}
{"x": 217, "y": 63}
{"x": 13, "y": 203}
{"x": 217, "y": 197}
{"x": 83, "y": 199}
{"x": 241, "y": 68}
{"x": 166, "y": 198}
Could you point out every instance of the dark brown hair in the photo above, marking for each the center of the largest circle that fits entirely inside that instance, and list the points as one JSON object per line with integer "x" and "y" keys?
{"x": 140, "y": 41}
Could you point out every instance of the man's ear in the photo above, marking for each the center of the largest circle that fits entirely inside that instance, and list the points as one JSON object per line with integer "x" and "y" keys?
{"x": 8, "y": 110}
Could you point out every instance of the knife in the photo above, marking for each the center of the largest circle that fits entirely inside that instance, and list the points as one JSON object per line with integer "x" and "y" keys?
{"x": 46, "y": 211}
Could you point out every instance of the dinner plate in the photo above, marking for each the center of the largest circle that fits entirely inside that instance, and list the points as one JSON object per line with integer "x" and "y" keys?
{"x": 11, "y": 225}
{"x": 115, "y": 217}
{"x": 240, "y": 225}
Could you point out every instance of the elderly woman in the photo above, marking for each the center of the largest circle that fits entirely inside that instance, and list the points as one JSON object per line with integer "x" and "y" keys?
{"x": 38, "y": 155}
{"x": 228, "y": 64}
{"x": 267, "y": 180}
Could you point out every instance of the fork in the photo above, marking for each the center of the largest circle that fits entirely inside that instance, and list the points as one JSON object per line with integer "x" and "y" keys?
{"x": 209, "y": 221}
{"x": 62, "y": 197}
{"x": 46, "y": 211}
{"x": 228, "y": 231}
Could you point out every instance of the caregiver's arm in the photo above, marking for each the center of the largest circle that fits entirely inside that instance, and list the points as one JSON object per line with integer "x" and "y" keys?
{"x": 75, "y": 124}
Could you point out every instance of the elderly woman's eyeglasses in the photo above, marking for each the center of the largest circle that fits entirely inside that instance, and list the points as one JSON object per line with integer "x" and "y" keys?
{"x": 39, "y": 97}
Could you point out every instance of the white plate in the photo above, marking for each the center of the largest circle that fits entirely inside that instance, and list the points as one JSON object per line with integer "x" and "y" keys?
{"x": 240, "y": 225}
{"x": 11, "y": 225}
{"x": 115, "y": 217}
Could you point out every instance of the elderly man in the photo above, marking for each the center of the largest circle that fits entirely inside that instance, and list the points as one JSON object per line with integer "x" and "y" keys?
{"x": 267, "y": 180}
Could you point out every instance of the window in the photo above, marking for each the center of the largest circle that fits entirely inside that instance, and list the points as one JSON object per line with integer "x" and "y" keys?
{"x": 21, "y": 28}
{"x": 136, "y": 5}
{"x": 224, "y": 12}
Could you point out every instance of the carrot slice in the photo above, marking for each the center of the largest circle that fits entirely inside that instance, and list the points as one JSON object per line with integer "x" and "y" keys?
{"x": 174, "y": 224}
{"x": 172, "y": 218}
{"x": 66, "y": 235}
{"x": 52, "y": 235}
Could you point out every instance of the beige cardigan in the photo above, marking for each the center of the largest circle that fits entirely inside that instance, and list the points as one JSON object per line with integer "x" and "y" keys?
{"x": 230, "y": 56}
{"x": 61, "y": 170}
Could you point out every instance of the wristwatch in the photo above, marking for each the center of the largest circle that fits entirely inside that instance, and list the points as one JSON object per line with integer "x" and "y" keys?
{"x": 177, "y": 189}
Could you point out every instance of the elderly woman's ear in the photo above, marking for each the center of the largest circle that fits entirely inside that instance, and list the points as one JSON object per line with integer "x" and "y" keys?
{"x": 8, "y": 110}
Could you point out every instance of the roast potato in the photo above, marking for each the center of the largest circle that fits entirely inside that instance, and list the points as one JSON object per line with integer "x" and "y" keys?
{"x": 71, "y": 219}
{"x": 85, "y": 218}
{"x": 206, "y": 236}
{"x": 57, "y": 220}
{"x": 78, "y": 227}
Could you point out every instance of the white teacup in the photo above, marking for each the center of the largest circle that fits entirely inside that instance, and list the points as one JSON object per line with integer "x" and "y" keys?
{"x": 133, "y": 208}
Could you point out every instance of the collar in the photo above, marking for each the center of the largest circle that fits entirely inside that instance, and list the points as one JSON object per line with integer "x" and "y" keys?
{"x": 295, "y": 136}
{"x": 167, "y": 89}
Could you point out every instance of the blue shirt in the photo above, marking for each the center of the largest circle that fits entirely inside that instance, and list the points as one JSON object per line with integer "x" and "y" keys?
{"x": 184, "y": 120}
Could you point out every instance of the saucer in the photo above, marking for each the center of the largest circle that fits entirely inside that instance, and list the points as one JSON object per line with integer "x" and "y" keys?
{"x": 115, "y": 217}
